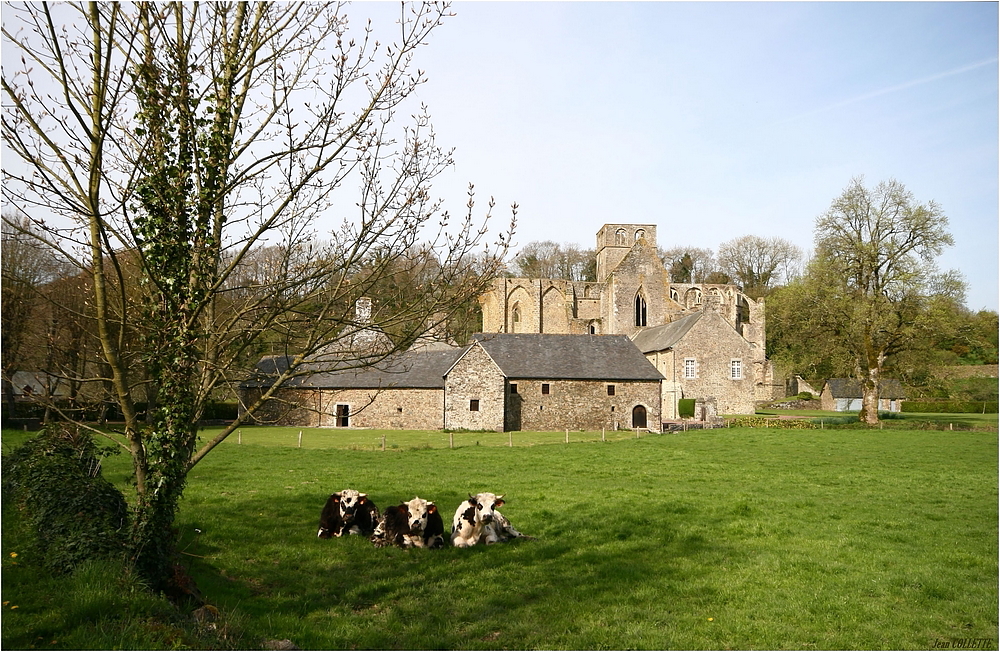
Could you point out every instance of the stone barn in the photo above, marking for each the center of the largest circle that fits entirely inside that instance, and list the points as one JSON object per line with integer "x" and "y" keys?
{"x": 844, "y": 395}
{"x": 404, "y": 391}
{"x": 536, "y": 381}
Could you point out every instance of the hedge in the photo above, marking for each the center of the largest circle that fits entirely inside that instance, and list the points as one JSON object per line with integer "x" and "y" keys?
{"x": 961, "y": 407}
{"x": 685, "y": 407}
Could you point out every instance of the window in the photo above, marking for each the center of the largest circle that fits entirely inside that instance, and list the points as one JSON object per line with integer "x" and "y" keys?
{"x": 690, "y": 368}
{"x": 611, "y": 390}
{"x": 474, "y": 405}
{"x": 513, "y": 388}
{"x": 639, "y": 234}
{"x": 545, "y": 388}
{"x": 640, "y": 310}
{"x": 736, "y": 369}
{"x": 620, "y": 237}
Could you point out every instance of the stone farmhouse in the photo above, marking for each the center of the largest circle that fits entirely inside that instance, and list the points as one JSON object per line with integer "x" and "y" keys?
{"x": 614, "y": 353}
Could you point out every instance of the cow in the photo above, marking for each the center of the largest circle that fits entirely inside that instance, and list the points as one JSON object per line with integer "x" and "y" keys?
{"x": 413, "y": 524}
{"x": 477, "y": 520}
{"x": 347, "y": 512}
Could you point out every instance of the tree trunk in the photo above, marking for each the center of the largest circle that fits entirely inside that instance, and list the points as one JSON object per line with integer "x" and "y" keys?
{"x": 870, "y": 397}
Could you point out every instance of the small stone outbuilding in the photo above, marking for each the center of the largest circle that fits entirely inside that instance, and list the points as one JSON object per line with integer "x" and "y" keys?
{"x": 534, "y": 381}
{"x": 845, "y": 394}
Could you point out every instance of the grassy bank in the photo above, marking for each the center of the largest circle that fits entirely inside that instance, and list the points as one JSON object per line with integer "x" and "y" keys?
{"x": 731, "y": 538}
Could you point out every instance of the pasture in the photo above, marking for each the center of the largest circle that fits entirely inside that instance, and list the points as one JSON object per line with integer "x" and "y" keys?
{"x": 731, "y": 538}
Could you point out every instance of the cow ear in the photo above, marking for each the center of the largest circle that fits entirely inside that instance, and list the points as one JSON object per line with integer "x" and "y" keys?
{"x": 498, "y": 502}
{"x": 431, "y": 508}
{"x": 472, "y": 499}
{"x": 362, "y": 498}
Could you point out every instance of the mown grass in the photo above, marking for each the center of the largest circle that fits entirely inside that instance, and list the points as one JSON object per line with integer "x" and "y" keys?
{"x": 730, "y": 538}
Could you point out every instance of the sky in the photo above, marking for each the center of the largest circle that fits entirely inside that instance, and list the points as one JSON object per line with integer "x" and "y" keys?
{"x": 715, "y": 120}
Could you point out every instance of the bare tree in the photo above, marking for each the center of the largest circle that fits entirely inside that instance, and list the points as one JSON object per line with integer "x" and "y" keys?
{"x": 688, "y": 264}
{"x": 162, "y": 145}
{"x": 758, "y": 264}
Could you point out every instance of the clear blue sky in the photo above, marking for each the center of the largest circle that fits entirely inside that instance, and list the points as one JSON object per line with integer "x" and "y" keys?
{"x": 715, "y": 120}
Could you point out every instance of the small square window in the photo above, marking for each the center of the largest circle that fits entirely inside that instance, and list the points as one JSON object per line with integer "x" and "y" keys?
{"x": 545, "y": 388}
{"x": 513, "y": 388}
{"x": 611, "y": 390}
{"x": 474, "y": 405}
{"x": 736, "y": 369}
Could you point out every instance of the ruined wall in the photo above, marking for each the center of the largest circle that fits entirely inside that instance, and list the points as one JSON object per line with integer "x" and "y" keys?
{"x": 475, "y": 377}
{"x": 580, "y": 404}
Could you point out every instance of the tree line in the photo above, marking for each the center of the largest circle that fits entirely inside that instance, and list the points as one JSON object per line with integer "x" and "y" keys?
{"x": 755, "y": 263}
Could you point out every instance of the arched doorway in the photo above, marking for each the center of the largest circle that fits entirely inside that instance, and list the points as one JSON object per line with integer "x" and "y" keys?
{"x": 639, "y": 416}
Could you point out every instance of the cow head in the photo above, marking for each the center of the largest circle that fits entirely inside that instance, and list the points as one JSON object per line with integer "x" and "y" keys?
{"x": 418, "y": 510}
{"x": 484, "y": 505}
{"x": 350, "y": 500}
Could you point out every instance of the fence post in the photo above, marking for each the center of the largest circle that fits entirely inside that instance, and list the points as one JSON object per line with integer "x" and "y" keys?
{"x": 451, "y": 440}
{"x": 300, "y": 439}
{"x": 567, "y": 435}
{"x": 510, "y": 439}
{"x": 602, "y": 434}
{"x": 239, "y": 437}
{"x": 383, "y": 443}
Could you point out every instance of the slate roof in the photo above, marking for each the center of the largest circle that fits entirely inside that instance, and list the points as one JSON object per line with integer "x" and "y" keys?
{"x": 567, "y": 357}
{"x": 661, "y": 338}
{"x": 416, "y": 369}
{"x": 851, "y": 388}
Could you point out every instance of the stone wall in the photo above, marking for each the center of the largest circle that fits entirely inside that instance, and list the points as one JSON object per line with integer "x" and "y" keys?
{"x": 580, "y": 404}
{"x": 404, "y": 409}
{"x": 401, "y": 409}
{"x": 475, "y": 377}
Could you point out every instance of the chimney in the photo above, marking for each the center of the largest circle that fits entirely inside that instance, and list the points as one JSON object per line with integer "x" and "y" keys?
{"x": 363, "y": 310}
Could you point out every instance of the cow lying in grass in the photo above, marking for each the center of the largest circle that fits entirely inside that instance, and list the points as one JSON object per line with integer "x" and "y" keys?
{"x": 477, "y": 520}
{"x": 413, "y": 524}
{"x": 347, "y": 512}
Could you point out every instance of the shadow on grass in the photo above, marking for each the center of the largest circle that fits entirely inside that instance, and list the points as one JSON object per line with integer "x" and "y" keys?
{"x": 560, "y": 590}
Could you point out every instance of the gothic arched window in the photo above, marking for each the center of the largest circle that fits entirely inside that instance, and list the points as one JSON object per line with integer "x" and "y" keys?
{"x": 640, "y": 310}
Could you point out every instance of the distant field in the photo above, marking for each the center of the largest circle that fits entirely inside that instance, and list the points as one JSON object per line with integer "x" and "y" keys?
{"x": 729, "y": 538}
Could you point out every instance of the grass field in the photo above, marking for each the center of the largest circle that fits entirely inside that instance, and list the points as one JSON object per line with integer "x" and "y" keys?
{"x": 730, "y": 538}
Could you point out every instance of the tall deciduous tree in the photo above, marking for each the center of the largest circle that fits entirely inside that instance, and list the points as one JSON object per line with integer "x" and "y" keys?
{"x": 688, "y": 264}
{"x": 175, "y": 141}
{"x": 758, "y": 264}
{"x": 875, "y": 251}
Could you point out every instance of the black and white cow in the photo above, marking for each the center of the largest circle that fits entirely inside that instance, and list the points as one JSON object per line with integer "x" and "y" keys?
{"x": 348, "y": 512}
{"x": 413, "y": 524}
{"x": 477, "y": 520}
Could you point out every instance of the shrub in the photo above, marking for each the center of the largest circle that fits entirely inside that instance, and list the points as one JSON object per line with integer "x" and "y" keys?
{"x": 805, "y": 396}
{"x": 685, "y": 407}
{"x": 966, "y": 407}
{"x": 54, "y": 479}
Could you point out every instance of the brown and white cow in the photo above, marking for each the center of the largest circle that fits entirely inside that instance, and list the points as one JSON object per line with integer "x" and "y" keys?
{"x": 477, "y": 520}
{"x": 413, "y": 524}
{"x": 347, "y": 512}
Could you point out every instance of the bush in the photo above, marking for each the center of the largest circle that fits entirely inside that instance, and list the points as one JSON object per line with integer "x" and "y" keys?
{"x": 805, "y": 396}
{"x": 54, "y": 479}
{"x": 961, "y": 407}
{"x": 685, "y": 407}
